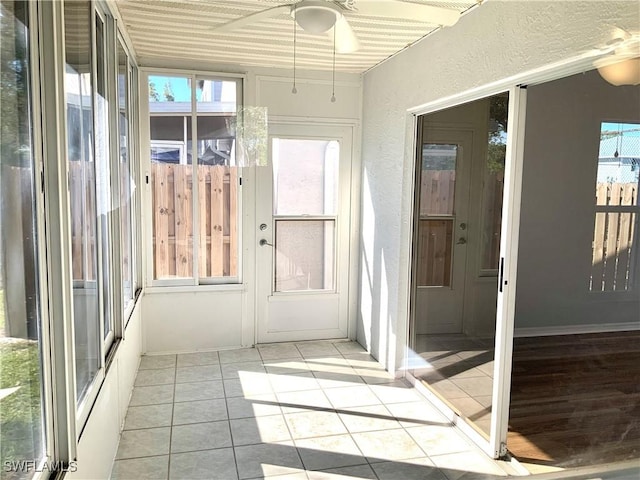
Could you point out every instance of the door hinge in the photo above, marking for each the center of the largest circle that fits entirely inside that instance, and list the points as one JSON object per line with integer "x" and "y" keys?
{"x": 502, "y": 450}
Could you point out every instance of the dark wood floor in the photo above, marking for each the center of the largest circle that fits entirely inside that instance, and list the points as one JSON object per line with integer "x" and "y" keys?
{"x": 575, "y": 399}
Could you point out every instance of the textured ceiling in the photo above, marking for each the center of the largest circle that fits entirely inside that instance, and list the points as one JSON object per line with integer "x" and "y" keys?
{"x": 162, "y": 30}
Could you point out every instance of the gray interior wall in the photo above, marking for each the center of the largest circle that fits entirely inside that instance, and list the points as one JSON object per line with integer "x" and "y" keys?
{"x": 562, "y": 139}
{"x": 494, "y": 42}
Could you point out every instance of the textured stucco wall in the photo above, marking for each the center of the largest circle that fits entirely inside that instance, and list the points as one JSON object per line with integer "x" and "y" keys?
{"x": 498, "y": 40}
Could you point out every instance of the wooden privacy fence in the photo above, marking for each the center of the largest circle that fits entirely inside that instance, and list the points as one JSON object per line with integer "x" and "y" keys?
{"x": 437, "y": 192}
{"x": 613, "y": 236}
{"x": 173, "y": 232}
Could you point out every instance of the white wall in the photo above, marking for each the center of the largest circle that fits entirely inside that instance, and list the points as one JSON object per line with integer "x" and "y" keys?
{"x": 496, "y": 41}
{"x": 562, "y": 140}
{"x": 209, "y": 318}
{"x": 99, "y": 439}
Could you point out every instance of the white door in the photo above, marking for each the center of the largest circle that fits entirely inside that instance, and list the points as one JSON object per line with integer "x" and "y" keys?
{"x": 302, "y": 207}
{"x": 442, "y": 229}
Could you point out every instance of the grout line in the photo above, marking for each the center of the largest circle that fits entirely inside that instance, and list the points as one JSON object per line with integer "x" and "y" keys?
{"x": 173, "y": 407}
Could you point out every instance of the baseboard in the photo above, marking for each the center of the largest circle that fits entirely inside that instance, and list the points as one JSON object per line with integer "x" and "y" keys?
{"x": 575, "y": 329}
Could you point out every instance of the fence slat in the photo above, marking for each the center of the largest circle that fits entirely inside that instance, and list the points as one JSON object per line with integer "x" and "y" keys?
{"x": 203, "y": 216}
{"x": 613, "y": 220}
{"x": 217, "y": 217}
{"x": 624, "y": 240}
{"x": 182, "y": 221}
{"x": 233, "y": 221}
{"x": 161, "y": 218}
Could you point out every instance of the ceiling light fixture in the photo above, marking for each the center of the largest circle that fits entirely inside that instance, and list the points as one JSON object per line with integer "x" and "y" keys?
{"x": 622, "y": 67}
{"x": 316, "y": 16}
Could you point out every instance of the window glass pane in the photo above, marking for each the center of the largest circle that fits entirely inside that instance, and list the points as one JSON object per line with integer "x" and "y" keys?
{"x": 218, "y": 179}
{"x": 618, "y": 164}
{"x": 126, "y": 180}
{"x": 171, "y": 176}
{"x": 82, "y": 192}
{"x": 304, "y": 255}
{"x": 435, "y": 252}
{"x": 494, "y": 181}
{"x": 438, "y": 177}
{"x": 21, "y": 406}
{"x": 103, "y": 172}
{"x": 305, "y": 176}
{"x": 615, "y": 229}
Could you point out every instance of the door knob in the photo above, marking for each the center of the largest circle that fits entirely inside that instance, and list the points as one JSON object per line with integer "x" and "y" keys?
{"x": 264, "y": 242}
{"x": 461, "y": 241}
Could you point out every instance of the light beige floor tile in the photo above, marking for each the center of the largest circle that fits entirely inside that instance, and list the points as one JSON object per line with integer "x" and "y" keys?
{"x": 346, "y": 378}
{"x": 267, "y": 459}
{"x": 436, "y": 440}
{"x": 219, "y": 464}
{"x": 287, "y": 366}
{"x": 396, "y": 392}
{"x": 293, "y": 383}
{"x": 414, "y": 414}
{"x": 200, "y": 436}
{"x": 200, "y": 373}
{"x": 368, "y": 419}
{"x": 387, "y": 445}
{"x": 240, "y": 355}
{"x": 468, "y": 373}
{"x": 414, "y": 469}
{"x": 248, "y": 384}
{"x": 484, "y": 400}
{"x": 198, "y": 358}
{"x": 144, "y": 443}
{"x": 336, "y": 451}
{"x": 256, "y": 406}
{"x": 318, "y": 349}
{"x": 344, "y": 473}
{"x": 279, "y": 351}
{"x": 151, "y": 395}
{"x": 475, "y": 386}
{"x": 148, "y": 416}
{"x": 249, "y": 431}
{"x": 349, "y": 348}
{"x": 235, "y": 370}
{"x": 467, "y": 464}
{"x": 448, "y": 389}
{"x": 356, "y": 396}
{"x": 157, "y": 361}
{"x": 199, "y": 411}
{"x": 190, "y": 392}
{"x": 314, "y": 424}
{"x": 292, "y": 402}
{"x": 147, "y": 468}
{"x": 160, "y": 376}
{"x": 363, "y": 361}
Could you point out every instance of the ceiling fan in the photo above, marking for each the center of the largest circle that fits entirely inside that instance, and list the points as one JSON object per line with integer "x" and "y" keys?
{"x": 320, "y": 16}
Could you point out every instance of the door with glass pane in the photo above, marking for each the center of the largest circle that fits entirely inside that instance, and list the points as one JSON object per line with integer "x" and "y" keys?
{"x": 442, "y": 229}
{"x": 302, "y": 234}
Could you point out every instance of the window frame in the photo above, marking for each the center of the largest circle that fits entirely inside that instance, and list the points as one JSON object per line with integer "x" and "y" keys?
{"x": 195, "y": 282}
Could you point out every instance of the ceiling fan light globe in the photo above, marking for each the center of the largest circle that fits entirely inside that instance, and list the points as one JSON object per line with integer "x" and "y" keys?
{"x": 314, "y": 17}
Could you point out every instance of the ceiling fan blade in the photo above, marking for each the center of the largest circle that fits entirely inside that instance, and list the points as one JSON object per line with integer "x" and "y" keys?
{"x": 252, "y": 18}
{"x": 411, "y": 11}
{"x": 346, "y": 39}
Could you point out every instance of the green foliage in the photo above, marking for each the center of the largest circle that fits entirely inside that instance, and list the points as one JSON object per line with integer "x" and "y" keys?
{"x": 21, "y": 411}
{"x": 168, "y": 93}
{"x": 497, "y": 146}
{"x": 154, "y": 96}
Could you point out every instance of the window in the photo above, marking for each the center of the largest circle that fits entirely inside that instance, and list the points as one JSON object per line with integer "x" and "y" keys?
{"x": 125, "y": 177}
{"x": 616, "y": 199}
{"x": 305, "y": 204}
{"x": 21, "y": 340}
{"x": 195, "y": 223}
{"x": 82, "y": 194}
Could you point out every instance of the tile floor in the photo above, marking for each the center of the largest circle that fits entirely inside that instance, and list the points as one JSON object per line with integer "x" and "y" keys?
{"x": 460, "y": 370}
{"x": 313, "y": 410}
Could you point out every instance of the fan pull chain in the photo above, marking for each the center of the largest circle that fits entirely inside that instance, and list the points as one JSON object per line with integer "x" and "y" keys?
{"x": 294, "y": 90}
{"x": 333, "y": 72}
